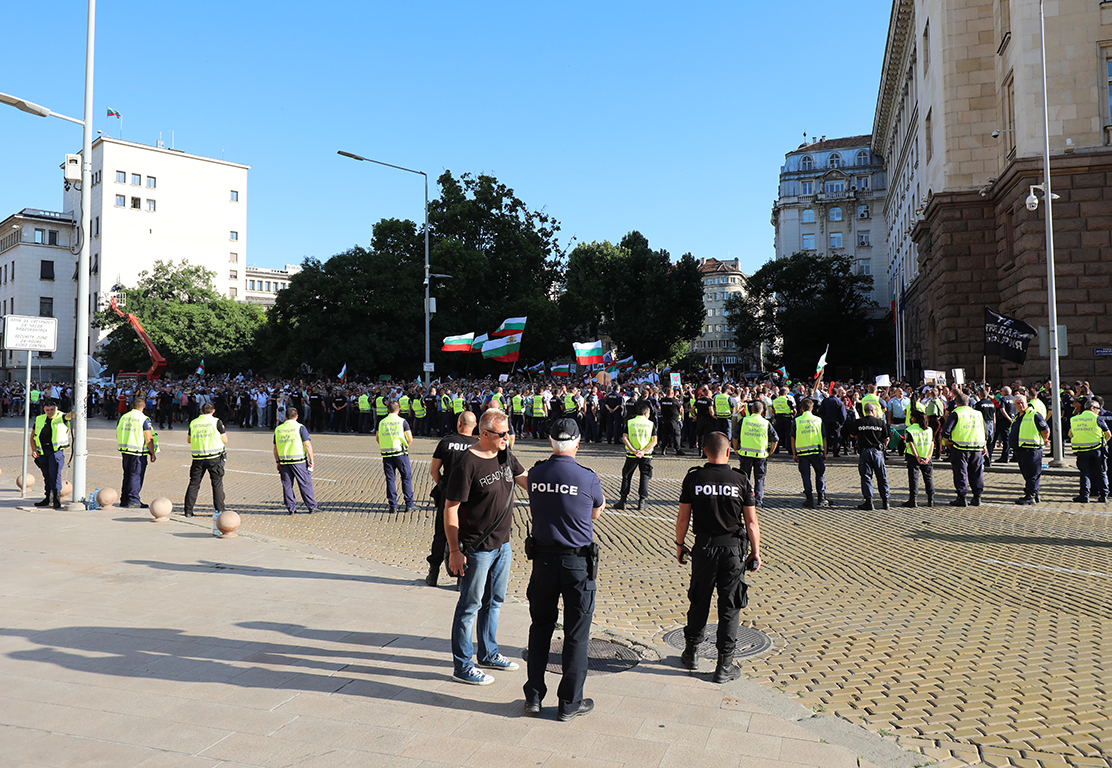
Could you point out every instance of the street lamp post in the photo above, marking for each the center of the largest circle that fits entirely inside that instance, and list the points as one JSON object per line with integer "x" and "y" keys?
{"x": 428, "y": 358}
{"x": 81, "y": 347}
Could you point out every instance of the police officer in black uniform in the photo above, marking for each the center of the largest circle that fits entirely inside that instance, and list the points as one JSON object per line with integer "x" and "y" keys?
{"x": 987, "y": 406}
{"x": 718, "y": 499}
{"x": 565, "y": 499}
{"x": 671, "y": 414}
{"x": 704, "y": 416}
{"x": 440, "y": 467}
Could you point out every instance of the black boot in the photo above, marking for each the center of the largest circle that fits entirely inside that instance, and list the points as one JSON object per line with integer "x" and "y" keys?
{"x": 930, "y": 499}
{"x": 689, "y": 657}
{"x": 959, "y": 502}
{"x": 911, "y": 502}
{"x": 621, "y": 504}
{"x": 823, "y": 500}
{"x": 866, "y": 505}
{"x": 434, "y": 575}
{"x": 976, "y": 500}
{"x": 809, "y": 502}
{"x": 45, "y": 502}
{"x": 726, "y": 669}
{"x": 884, "y": 502}
{"x": 57, "y": 499}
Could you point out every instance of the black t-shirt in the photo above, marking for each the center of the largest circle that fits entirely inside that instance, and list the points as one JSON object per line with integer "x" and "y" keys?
{"x": 988, "y": 409}
{"x": 703, "y": 407}
{"x": 483, "y": 488}
{"x": 716, "y": 493}
{"x": 448, "y": 450}
{"x": 1007, "y": 404}
{"x": 339, "y": 402}
{"x": 870, "y": 432}
{"x": 613, "y": 401}
{"x": 316, "y": 405}
{"x": 669, "y": 409}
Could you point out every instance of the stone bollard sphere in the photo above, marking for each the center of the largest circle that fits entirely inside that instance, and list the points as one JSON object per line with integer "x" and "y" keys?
{"x": 67, "y": 490}
{"x": 107, "y": 497}
{"x": 29, "y": 479}
{"x": 161, "y": 509}
{"x": 228, "y": 522}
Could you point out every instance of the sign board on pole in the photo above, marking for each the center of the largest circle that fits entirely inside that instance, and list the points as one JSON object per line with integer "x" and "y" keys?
{"x": 1044, "y": 341}
{"x": 503, "y": 377}
{"x": 674, "y": 379}
{"x": 30, "y": 334}
{"x": 430, "y": 367}
{"x": 959, "y": 376}
{"x": 934, "y": 377}
{"x": 883, "y": 380}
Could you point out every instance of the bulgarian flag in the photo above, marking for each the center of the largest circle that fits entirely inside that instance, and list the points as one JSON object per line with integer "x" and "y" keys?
{"x": 201, "y": 369}
{"x": 822, "y": 363}
{"x": 588, "y": 353}
{"x": 562, "y": 370}
{"x": 478, "y": 342}
{"x": 626, "y": 363}
{"x": 114, "y": 113}
{"x": 461, "y": 343}
{"x": 538, "y": 367}
{"x": 783, "y": 371}
{"x": 503, "y": 350}
{"x": 343, "y": 372}
{"x": 510, "y": 325}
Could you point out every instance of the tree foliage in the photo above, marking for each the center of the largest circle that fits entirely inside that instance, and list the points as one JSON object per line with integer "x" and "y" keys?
{"x": 801, "y": 303}
{"x": 649, "y": 305}
{"x": 186, "y": 319}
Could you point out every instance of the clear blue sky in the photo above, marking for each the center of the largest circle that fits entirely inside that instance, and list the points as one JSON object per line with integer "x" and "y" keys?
{"x": 671, "y": 119}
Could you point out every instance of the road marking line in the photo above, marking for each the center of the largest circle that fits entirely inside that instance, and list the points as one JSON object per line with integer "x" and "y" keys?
{"x": 264, "y": 474}
{"x": 1048, "y": 568}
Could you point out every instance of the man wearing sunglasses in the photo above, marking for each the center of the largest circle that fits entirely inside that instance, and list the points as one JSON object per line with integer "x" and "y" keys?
{"x": 478, "y": 512}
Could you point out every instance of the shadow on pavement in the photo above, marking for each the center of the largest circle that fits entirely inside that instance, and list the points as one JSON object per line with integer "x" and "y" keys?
{"x": 998, "y": 538}
{"x": 203, "y": 566}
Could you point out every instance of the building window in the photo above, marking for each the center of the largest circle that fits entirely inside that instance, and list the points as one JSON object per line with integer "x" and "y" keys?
{"x": 863, "y": 239}
{"x": 233, "y": 274}
{"x": 862, "y": 157}
{"x": 835, "y": 239}
{"x": 1005, "y": 23}
{"x": 52, "y": 237}
{"x": 235, "y": 196}
{"x": 835, "y": 187}
{"x": 862, "y": 211}
{"x": 267, "y": 288}
{"x": 46, "y": 306}
{"x": 121, "y": 201}
{"x": 807, "y": 163}
{"x": 233, "y": 235}
{"x": 250, "y": 285}
{"x": 152, "y": 183}
{"x": 864, "y": 267}
{"x": 863, "y": 182}
{"x": 233, "y": 258}
{"x": 233, "y": 291}
{"x": 150, "y": 205}
{"x": 121, "y": 177}
{"x": 835, "y": 214}
{"x": 808, "y": 216}
{"x": 808, "y": 242}
{"x": 136, "y": 203}
{"x": 95, "y": 267}
{"x": 806, "y": 187}
{"x": 46, "y": 270}
{"x": 136, "y": 179}
{"x": 928, "y": 138}
{"x": 40, "y": 236}
{"x": 835, "y": 160}
{"x": 926, "y": 47}
{"x": 96, "y": 227}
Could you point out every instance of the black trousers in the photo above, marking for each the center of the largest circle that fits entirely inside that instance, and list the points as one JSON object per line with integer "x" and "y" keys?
{"x": 721, "y": 569}
{"x": 197, "y": 470}
{"x": 969, "y": 471}
{"x": 784, "y": 425}
{"x": 1030, "y": 466}
{"x": 914, "y": 469}
{"x": 439, "y": 538}
{"x": 632, "y": 463}
{"x": 135, "y": 471}
{"x": 669, "y": 435}
{"x": 556, "y": 577}
{"x": 751, "y": 465}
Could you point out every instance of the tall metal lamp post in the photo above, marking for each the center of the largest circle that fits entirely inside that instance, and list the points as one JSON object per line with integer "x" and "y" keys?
{"x": 81, "y": 347}
{"x": 428, "y": 357}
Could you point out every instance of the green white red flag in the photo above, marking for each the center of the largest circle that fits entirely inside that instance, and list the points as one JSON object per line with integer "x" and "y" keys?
{"x": 822, "y": 363}
{"x": 478, "y": 342}
{"x": 561, "y": 370}
{"x": 510, "y": 325}
{"x": 114, "y": 113}
{"x": 588, "y": 353}
{"x": 461, "y": 343}
{"x": 503, "y": 350}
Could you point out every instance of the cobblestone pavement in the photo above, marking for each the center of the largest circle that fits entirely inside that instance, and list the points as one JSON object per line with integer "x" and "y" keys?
{"x": 978, "y": 633}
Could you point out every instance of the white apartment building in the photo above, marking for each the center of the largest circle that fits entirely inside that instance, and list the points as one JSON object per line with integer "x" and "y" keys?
{"x": 263, "y": 284}
{"x": 148, "y": 204}
{"x": 716, "y": 343}
{"x": 37, "y": 271}
{"x": 830, "y": 196}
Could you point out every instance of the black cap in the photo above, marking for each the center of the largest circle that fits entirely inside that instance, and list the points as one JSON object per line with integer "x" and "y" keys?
{"x": 564, "y": 429}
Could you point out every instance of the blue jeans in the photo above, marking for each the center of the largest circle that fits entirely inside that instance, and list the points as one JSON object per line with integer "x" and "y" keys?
{"x": 481, "y": 593}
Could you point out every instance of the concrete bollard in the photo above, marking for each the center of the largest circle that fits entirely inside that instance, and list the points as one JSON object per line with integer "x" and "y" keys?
{"x": 29, "y": 479}
{"x": 228, "y": 522}
{"x": 161, "y": 509}
{"x": 106, "y": 497}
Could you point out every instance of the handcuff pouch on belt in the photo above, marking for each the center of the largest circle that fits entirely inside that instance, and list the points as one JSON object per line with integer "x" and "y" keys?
{"x": 591, "y": 552}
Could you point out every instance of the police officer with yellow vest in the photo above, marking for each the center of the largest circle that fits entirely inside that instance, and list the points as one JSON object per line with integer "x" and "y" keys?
{"x": 719, "y": 501}
{"x": 364, "y": 403}
{"x": 783, "y": 409}
{"x": 380, "y": 409}
{"x": 394, "y": 438}
{"x": 403, "y": 406}
{"x": 293, "y": 453}
{"x": 1089, "y": 436}
{"x": 809, "y": 451}
{"x": 420, "y": 414}
{"x": 723, "y": 409}
{"x": 517, "y": 413}
{"x": 540, "y": 415}
{"x": 964, "y": 433}
{"x": 49, "y": 440}
{"x": 135, "y": 440}
{"x": 754, "y": 441}
{"x": 918, "y": 447}
{"x": 207, "y": 441}
{"x": 1029, "y": 433}
{"x": 640, "y": 439}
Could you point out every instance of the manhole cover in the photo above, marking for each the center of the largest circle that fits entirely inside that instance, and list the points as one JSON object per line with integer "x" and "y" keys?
{"x": 750, "y": 642}
{"x": 603, "y": 656}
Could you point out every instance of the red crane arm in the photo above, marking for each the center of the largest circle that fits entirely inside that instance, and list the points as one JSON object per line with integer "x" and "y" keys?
{"x": 158, "y": 362}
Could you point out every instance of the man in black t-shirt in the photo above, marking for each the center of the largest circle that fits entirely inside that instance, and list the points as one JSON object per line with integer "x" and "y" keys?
{"x": 718, "y": 500}
{"x": 477, "y": 518}
{"x": 704, "y": 416}
{"x": 447, "y": 450}
{"x": 671, "y": 412}
{"x": 613, "y": 414}
{"x": 987, "y": 406}
{"x": 871, "y": 433}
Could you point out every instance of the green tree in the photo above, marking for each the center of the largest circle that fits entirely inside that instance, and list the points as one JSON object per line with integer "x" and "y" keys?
{"x": 649, "y": 305}
{"x": 801, "y": 303}
{"x": 187, "y": 321}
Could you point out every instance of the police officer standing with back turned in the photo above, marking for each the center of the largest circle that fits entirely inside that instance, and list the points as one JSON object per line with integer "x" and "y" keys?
{"x": 565, "y": 499}
{"x": 718, "y": 500}
{"x": 964, "y": 433}
{"x": 754, "y": 441}
{"x": 207, "y": 440}
{"x": 135, "y": 441}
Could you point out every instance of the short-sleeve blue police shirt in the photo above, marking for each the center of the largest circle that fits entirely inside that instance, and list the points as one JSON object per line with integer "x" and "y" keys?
{"x": 562, "y": 494}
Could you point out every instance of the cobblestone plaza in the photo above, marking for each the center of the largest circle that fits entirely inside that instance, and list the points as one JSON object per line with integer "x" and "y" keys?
{"x": 980, "y": 633}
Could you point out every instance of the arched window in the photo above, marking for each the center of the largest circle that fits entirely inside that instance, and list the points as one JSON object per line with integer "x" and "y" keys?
{"x": 835, "y": 160}
{"x": 808, "y": 216}
{"x": 862, "y": 157}
{"x": 835, "y": 214}
{"x": 807, "y": 163}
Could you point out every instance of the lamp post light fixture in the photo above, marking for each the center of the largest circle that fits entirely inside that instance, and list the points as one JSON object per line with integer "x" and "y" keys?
{"x": 81, "y": 345}
{"x": 428, "y": 358}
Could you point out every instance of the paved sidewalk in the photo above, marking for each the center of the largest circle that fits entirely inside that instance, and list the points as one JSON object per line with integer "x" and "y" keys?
{"x": 129, "y": 643}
